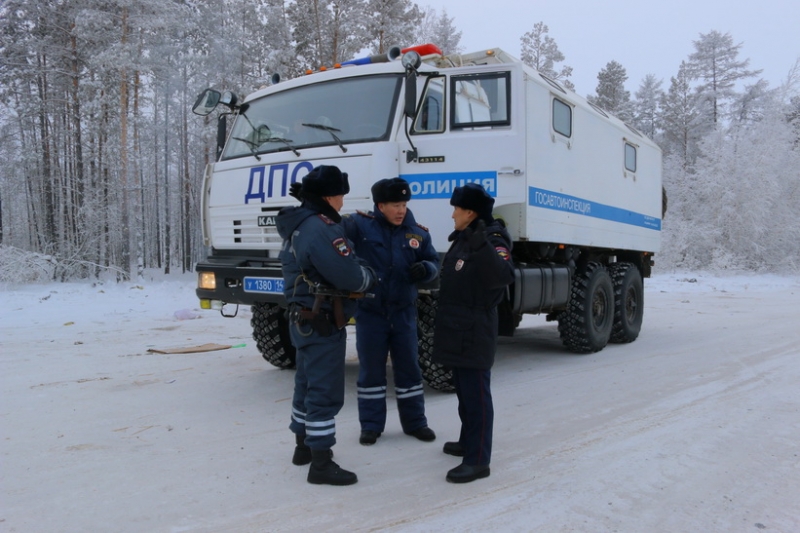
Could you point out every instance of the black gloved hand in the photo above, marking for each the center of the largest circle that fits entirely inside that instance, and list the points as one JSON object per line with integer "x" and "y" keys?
{"x": 476, "y": 237}
{"x": 418, "y": 272}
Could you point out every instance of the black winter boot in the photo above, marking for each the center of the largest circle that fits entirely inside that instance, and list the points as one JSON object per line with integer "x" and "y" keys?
{"x": 302, "y": 453}
{"x": 324, "y": 471}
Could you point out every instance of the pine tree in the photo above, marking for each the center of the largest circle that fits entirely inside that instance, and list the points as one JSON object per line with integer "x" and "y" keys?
{"x": 682, "y": 118}
{"x": 541, "y": 52}
{"x": 446, "y": 36}
{"x": 646, "y": 105}
{"x": 714, "y": 62}
{"x": 611, "y": 94}
{"x": 390, "y": 23}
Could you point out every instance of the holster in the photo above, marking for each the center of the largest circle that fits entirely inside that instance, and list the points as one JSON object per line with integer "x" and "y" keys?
{"x": 319, "y": 319}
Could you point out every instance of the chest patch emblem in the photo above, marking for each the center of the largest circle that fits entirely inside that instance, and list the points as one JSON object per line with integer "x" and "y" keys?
{"x": 459, "y": 264}
{"x": 414, "y": 243}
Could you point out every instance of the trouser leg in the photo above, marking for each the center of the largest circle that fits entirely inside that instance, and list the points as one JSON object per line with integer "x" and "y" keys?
{"x": 372, "y": 344}
{"x": 476, "y": 411}
{"x": 319, "y": 386}
{"x": 407, "y": 374}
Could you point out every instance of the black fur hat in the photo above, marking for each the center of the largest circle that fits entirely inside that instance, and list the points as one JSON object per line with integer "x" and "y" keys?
{"x": 474, "y": 197}
{"x": 325, "y": 180}
{"x": 391, "y": 190}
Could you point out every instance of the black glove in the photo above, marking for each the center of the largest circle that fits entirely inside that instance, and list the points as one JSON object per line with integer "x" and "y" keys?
{"x": 476, "y": 237}
{"x": 418, "y": 272}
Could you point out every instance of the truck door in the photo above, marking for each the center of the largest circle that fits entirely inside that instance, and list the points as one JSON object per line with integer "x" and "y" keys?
{"x": 469, "y": 127}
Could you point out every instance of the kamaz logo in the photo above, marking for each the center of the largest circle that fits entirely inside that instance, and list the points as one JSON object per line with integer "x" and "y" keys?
{"x": 268, "y": 221}
{"x": 275, "y": 181}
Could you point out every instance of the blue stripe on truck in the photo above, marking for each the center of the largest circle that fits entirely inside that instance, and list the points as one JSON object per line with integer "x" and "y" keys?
{"x": 579, "y": 206}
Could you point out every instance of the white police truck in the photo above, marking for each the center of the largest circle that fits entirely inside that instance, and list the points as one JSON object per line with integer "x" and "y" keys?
{"x": 578, "y": 189}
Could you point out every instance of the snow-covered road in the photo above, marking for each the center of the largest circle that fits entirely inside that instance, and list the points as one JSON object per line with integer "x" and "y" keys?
{"x": 693, "y": 427}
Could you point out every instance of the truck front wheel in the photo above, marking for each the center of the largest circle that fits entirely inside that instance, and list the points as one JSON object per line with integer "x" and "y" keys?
{"x": 271, "y": 333}
{"x": 585, "y": 326}
{"x": 628, "y": 302}
{"x": 435, "y": 375}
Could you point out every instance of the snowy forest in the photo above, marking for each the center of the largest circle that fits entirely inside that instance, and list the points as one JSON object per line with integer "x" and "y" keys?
{"x": 104, "y": 161}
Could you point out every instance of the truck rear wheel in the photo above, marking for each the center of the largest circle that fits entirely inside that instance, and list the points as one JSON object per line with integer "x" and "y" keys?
{"x": 435, "y": 375}
{"x": 628, "y": 302}
{"x": 586, "y": 324}
{"x": 271, "y": 333}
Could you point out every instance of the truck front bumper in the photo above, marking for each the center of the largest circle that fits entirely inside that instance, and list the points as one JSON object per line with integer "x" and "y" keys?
{"x": 239, "y": 280}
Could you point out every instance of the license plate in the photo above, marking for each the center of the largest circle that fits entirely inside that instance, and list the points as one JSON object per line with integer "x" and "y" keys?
{"x": 266, "y": 285}
{"x": 266, "y": 221}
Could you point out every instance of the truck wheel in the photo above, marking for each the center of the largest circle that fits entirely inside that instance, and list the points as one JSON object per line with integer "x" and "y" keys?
{"x": 628, "y": 302}
{"x": 271, "y": 333}
{"x": 435, "y": 375}
{"x": 585, "y": 326}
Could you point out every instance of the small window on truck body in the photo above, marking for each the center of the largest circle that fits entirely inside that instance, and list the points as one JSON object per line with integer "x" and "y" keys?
{"x": 480, "y": 100}
{"x": 630, "y": 157}
{"x": 562, "y": 117}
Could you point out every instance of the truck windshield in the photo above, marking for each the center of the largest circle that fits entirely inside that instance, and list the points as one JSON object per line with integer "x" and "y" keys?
{"x": 345, "y": 111}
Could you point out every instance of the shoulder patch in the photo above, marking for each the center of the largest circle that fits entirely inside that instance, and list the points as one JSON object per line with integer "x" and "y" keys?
{"x": 502, "y": 251}
{"x": 365, "y": 214}
{"x": 341, "y": 246}
{"x": 326, "y": 219}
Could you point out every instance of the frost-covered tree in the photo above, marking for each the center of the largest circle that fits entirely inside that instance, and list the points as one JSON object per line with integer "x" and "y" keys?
{"x": 716, "y": 65}
{"x": 611, "y": 94}
{"x": 646, "y": 105}
{"x": 750, "y": 105}
{"x": 390, "y": 23}
{"x": 682, "y": 119}
{"x": 446, "y": 36}
{"x": 439, "y": 30}
{"x": 327, "y": 32}
{"x": 541, "y": 52}
{"x": 278, "y": 55}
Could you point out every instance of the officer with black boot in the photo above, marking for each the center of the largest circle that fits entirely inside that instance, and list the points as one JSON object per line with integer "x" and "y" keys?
{"x": 400, "y": 251}
{"x": 322, "y": 279}
{"x": 475, "y": 272}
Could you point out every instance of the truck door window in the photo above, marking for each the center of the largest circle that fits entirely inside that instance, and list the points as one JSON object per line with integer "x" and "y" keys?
{"x": 430, "y": 118}
{"x": 480, "y": 100}
{"x": 562, "y": 118}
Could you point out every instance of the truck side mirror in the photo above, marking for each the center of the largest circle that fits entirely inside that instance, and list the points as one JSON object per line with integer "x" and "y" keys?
{"x": 206, "y": 102}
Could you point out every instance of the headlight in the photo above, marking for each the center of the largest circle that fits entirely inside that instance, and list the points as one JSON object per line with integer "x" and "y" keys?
{"x": 206, "y": 280}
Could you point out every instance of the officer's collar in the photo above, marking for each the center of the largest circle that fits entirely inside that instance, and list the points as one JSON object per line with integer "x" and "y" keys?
{"x": 319, "y": 205}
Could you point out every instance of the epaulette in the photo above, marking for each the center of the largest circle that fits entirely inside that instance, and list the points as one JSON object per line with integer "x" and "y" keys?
{"x": 326, "y": 219}
{"x": 365, "y": 214}
{"x": 423, "y": 227}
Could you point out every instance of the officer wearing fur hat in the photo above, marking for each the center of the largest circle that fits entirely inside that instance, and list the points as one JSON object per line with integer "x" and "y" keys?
{"x": 475, "y": 272}
{"x": 401, "y": 252}
{"x": 320, "y": 272}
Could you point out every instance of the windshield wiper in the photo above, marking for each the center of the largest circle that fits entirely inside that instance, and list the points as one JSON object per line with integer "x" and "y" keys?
{"x": 250, "y": 144}
{"x": 287, "y": 142}
{"x": 330, "y": 130}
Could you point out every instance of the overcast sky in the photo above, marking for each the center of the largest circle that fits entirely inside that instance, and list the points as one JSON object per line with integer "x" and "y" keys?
{"x": 644, "y": 37}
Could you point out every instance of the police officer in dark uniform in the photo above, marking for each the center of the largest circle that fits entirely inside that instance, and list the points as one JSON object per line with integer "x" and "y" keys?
{"x": 475, "y": 272}
{"x": 321, "y": 272}
{"x": 401, "y": 253}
